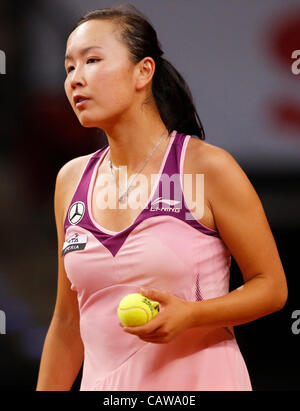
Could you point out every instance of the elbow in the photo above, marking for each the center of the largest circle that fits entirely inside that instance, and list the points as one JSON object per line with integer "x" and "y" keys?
{"x": 276, "y": 290}
{"x": 284, "y": 299}
{"x": 280, "y": 298}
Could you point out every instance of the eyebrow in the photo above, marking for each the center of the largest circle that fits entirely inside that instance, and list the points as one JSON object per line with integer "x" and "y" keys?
{"x": 82, "y": 51}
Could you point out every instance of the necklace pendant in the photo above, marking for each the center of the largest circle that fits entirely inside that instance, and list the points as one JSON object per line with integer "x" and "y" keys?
{"x": 122, "y": 198}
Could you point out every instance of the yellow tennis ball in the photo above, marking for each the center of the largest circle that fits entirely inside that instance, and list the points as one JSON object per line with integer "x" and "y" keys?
{"x": 135, "y": 309}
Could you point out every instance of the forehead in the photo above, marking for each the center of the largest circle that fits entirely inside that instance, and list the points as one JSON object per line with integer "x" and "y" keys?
{"x": 94, "y": 32}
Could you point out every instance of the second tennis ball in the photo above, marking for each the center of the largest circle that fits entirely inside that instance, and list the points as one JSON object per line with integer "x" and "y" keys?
{"x": 135, "y": 309}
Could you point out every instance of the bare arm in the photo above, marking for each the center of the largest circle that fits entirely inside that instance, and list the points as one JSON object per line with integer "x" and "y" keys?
{"x": 244, "y": 228}
{"x": 62, "y": 354}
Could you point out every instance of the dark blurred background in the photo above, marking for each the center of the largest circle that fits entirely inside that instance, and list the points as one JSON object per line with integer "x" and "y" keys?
{"x": 236, "y": 57}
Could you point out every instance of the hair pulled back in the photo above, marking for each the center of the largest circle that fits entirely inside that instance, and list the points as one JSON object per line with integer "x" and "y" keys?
{"x": 171, "y": 93}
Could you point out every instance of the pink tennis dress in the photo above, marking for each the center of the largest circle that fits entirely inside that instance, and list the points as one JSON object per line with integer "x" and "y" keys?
{"x": 165, "y": 248}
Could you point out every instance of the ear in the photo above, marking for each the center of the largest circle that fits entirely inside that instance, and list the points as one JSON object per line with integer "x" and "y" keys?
{"x": 145, "y": 71}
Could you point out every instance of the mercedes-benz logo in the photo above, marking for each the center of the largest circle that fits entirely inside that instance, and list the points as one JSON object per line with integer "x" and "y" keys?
{"x": 76, "y": 212}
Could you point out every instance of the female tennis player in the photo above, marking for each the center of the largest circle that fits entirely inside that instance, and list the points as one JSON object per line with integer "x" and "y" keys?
{"x": 166, "y": 236}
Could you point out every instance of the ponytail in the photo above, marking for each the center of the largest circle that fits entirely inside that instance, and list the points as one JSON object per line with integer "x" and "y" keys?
{"x": 175, "y": 101}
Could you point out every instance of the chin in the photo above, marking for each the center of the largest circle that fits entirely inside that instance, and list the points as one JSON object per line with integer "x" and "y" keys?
{"x": 88, "y": 122}
{"x": 97, "y": 120}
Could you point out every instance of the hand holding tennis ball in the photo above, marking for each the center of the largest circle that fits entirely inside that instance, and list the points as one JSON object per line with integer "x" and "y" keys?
{"x": 175, "y": 315}
{"x": 135, "y": 309}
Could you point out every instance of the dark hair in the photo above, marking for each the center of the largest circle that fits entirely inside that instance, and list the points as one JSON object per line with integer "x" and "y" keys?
{"x": 171, "y": 93}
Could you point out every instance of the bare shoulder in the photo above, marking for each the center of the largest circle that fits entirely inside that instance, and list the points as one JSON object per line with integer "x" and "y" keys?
{"x": 66, "y": 182}
{"x": 71, "y": 170}
{"x": 208, "y": 156}
{"x": 215, "y": 162}
{"x": 222, "y": 172}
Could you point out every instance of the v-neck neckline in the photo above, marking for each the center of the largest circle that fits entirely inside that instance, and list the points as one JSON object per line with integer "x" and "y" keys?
{"x": 93, "y": 180}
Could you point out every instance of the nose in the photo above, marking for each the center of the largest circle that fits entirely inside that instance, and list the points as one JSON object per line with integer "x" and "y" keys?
{"x": 77, "y": 78}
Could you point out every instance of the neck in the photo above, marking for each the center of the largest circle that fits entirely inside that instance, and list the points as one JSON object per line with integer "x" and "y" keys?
{"x": 148, "y": 158}
{"x": 131, "y": 142}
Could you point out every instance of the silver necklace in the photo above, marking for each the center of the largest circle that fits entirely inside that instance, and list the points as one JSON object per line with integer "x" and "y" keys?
{"x": 112, "y": 168}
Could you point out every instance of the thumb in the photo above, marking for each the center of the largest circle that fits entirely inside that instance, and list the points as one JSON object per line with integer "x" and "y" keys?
{"x": 155, "y": 295}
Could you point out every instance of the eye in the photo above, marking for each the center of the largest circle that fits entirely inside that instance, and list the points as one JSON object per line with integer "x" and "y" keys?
{"x": 92, "y": 60}
{"x": 68, "y": 69}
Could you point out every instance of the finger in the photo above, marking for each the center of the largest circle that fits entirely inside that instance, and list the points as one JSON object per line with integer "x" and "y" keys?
{"x": 153, "y": 342}
{"x": 155, "y": 295}
{"x": 139, "y": 331}
{"x": 150, "y": 326}
{"x": 160, "y": 340}
{"x": 144, "y": 330}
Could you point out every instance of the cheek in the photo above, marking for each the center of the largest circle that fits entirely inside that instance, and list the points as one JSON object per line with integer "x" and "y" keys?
{"x": 115, "y": 85}
{"x": 67, "y": 89}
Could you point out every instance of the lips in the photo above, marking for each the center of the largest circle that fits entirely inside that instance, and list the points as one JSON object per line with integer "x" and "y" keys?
{"x": 79, "y": 100}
